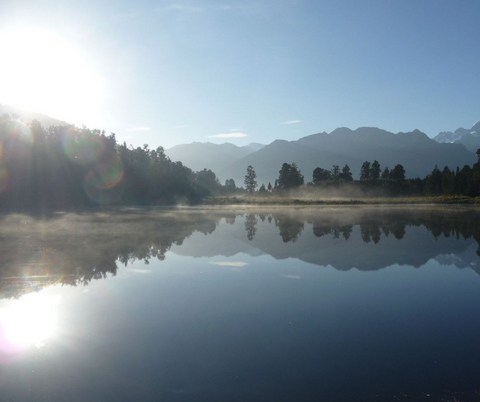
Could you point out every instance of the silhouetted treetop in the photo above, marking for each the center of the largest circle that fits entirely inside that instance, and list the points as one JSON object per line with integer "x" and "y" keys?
{"x": 289, "y": 176}
{"x": 64, "y": 167}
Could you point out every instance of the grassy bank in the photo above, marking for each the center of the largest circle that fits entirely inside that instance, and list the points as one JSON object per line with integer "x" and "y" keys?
{"x": 274, "y": 200}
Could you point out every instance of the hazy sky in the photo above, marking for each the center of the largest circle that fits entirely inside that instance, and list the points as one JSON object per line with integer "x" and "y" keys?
{"x": 170, "y": 72}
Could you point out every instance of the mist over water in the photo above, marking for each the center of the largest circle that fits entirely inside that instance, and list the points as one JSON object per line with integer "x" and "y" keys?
{"x": 331, "y": 304}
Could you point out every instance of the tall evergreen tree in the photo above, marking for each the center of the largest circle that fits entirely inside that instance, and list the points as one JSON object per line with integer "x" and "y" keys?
{"x": 346, "y": 174}
{"x": 398, "y": 173}
{"x": 386, "y": 174}
{"x": 375, "y": 170}
{"x": 448, "y": 181}
{"x": 335, "y": 173}
{"x": 250, "y": 179}
{"x": 365, "y": 171}
{"x": 433, "y": 185}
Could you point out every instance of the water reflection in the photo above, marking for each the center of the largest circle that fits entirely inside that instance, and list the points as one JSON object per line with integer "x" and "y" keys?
{"x": 26, "y": 322}
{"x": 74, "y": 249}
{"x": 256, "y": 312}
{"x": 250, "y": 225}
{"x": 290, "y": 227}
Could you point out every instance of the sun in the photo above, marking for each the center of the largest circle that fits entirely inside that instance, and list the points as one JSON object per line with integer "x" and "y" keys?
{"x": 42, "y": 72}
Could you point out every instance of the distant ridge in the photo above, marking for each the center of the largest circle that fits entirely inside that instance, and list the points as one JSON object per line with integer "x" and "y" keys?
{"x": 28, "y": 116}
{"x": 414, "y": 150}
{"x": 255, "y": 146}
{"x": 206, "y": 155}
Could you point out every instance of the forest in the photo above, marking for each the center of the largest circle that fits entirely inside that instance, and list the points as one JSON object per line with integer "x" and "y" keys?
{"x": 65, "y": 167}
{"x": 373, "y": 180}
{"x": 68, "y": 167}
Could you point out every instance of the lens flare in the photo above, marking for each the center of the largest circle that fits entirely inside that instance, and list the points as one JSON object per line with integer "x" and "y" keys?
{"x": 15, "y": 142}
{"x": 14, "y": 131}
{"x": 45, "y": 268}
{"x": 83, "y": 148}
{"x": 3, "y": 179}
{"x": 106, "y": 174}
{"x": 102, "y": 181}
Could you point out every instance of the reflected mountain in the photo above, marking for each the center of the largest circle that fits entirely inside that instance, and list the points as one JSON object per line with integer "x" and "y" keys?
{"x": 74, "y": 249}
{"x": 364, "y": 238}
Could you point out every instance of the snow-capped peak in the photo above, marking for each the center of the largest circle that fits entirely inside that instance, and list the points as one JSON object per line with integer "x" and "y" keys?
{"x": 476, "y": 127}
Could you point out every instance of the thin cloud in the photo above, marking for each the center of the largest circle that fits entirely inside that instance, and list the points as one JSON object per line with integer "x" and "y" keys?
{"x": 246, "y": 8}
{"x": 228, "y": 7}
{"x": 138, "y": 129}
{"x": 291, "y": 122}
{"x": 179, "y": 127}
{"x": 235, "y": 129}
{"x": 228, "y": 135}
{"x": 229, "y": 263}
{"x": 289, "y": 276}
{"x": 181, "y": 7}
{"x": 254, "y": 8}
{"x": 140, "y": 271}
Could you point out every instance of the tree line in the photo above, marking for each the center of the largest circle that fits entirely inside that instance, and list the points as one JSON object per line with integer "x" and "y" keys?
{"x": 464, "y": 182}
{"x": 66, "y": 166}
{"x": 70, "y": 167}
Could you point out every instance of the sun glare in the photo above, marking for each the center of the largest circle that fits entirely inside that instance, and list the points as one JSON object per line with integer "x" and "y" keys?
{"x": 42, "y": 72}
{"x": 28, "y": 321}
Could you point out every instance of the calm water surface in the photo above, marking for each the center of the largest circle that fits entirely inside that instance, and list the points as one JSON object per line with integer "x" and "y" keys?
{"x": 315, "y": 304}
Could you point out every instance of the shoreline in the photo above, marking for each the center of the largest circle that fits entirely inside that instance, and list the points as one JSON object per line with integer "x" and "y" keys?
{"x": 275, "y": 201}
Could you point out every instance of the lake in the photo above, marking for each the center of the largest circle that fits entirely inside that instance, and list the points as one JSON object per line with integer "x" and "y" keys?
{"x": 266, "y": 304}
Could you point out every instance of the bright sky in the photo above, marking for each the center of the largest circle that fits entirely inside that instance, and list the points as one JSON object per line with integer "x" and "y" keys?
{"x": 171, "y": 72}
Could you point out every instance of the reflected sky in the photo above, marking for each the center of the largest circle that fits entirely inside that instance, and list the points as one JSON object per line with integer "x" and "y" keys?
{"x": 196, "y": 308}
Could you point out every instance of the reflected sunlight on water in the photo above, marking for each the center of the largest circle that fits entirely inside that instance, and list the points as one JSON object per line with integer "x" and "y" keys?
{"x": 29, "y": 321}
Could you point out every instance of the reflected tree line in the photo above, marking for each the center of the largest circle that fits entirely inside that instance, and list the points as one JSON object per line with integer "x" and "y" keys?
{"x": 74, "y": 249}
{"x": 372, "y": 227}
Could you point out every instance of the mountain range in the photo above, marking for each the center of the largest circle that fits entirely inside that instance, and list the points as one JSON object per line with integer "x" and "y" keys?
{"x": 468, "y": 137}
{"x": 205, "y": 155}
{"x": 414, "y": 150}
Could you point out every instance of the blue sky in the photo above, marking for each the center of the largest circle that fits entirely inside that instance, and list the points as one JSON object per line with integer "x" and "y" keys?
{"x": 171, "y": 72}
